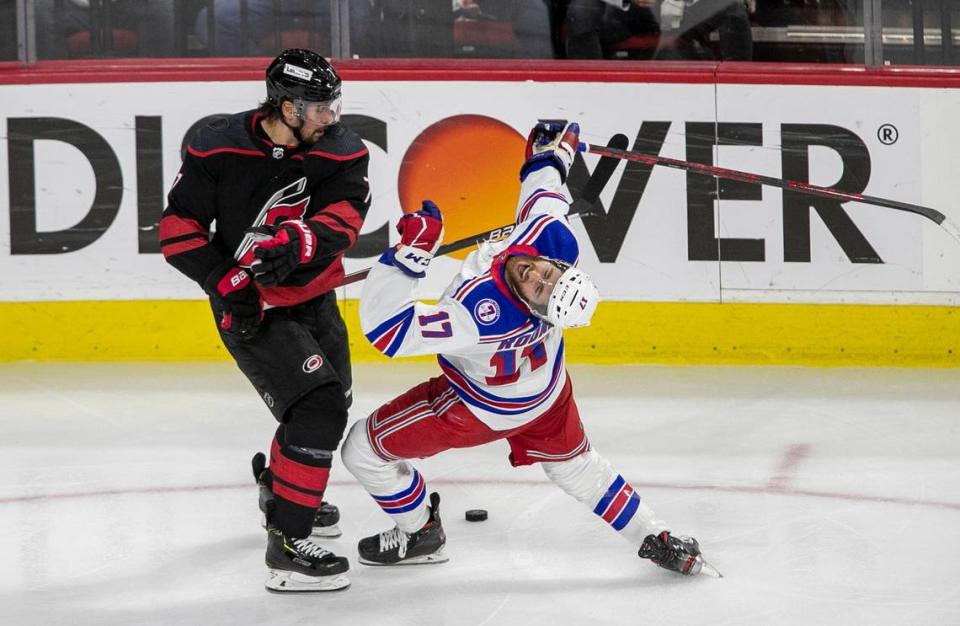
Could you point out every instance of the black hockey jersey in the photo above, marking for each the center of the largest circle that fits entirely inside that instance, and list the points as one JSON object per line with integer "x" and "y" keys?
{"x": 234, "y": 176}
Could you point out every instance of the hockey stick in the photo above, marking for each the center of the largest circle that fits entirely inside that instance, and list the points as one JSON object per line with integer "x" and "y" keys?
{"x": 501, "y": 232}
{"x": 824, "y": 192}
{"x": 580, "y": 208}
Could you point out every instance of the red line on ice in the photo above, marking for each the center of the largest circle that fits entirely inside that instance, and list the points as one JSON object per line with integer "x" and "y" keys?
{"x": 791, "y": 459}
{"x": 638, "y": 486}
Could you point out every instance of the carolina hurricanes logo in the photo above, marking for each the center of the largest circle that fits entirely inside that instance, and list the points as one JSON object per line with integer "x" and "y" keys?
{"x": 282, "y": 205}
{"x": 312, "y": 363}
{"x": 288, "y": 211}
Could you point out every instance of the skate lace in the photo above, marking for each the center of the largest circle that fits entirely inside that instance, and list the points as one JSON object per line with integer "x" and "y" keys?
{"x": 310, "y": 549}
{"x": 394, "y": 538}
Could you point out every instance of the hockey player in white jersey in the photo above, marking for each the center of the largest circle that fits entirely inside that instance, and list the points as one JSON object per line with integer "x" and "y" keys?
{"x": 497, "y": 332}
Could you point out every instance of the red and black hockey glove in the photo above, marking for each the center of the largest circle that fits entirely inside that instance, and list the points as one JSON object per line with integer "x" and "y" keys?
{"x": 236, "y": 301}
{"x": 292, "y": 244}
{"x": 420, "y": 235}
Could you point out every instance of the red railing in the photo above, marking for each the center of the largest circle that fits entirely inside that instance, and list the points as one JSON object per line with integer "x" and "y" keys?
{"x": 240, "y": 69}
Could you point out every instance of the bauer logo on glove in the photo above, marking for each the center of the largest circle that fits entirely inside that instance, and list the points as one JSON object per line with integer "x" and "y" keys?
{"x": 235, "y": 300}
{"x": 281, "y": 249}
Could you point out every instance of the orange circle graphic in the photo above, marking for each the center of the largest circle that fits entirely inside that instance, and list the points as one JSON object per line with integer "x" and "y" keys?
{"x": 469, "y": 165}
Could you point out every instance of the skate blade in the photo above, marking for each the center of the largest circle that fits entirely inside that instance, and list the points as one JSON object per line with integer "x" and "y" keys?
{"x": 440, "y": 556}
{"x": 709, "y": 570}
{"x": 283, "y": 581}
{"x": 326, "y": 532}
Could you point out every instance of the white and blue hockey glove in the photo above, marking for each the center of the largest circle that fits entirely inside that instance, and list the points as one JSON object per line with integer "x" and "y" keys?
{"x": 551, "y": 143}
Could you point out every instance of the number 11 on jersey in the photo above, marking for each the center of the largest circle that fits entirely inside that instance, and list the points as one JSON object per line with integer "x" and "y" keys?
{"x": 505, "y": 363}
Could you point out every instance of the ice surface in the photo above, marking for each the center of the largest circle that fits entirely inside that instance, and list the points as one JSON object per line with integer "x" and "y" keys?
{"x": 824, "y": 497}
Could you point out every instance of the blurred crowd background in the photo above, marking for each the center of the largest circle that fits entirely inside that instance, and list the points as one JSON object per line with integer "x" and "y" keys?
{"x": 871, "y": 32}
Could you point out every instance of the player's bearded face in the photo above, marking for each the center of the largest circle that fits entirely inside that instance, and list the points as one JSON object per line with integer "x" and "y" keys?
{"x": 311, "y": 119}
{"x": 533, "y": 279}
{"x": 311, "y": 132}
{"x": 317, "y": 117}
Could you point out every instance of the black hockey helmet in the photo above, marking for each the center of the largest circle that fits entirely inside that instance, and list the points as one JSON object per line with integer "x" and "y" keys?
{"x": 304, "y": 75}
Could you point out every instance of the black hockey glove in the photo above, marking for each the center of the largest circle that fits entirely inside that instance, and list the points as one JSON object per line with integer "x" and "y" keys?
{"x": 292, "y": 244}
{"x": 236, "y": 301}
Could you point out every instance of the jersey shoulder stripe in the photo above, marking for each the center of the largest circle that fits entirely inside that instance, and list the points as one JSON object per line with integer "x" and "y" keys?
{"x": 225, "y": 133}
{"x": 527, "y": 231}
{"x": 539, "y": 194}
{"x": 339, "y": 144}
{"x": 469, "y": 285}
{"x": 552, "y": 238}
{"x": 206, "y": 153}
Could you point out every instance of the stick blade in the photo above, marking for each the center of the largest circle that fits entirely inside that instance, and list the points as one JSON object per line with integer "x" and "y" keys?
{"x": 951, "y": 228}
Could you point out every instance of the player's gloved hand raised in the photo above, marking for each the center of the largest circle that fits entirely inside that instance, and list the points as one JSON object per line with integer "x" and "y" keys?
{"x": 551, "y": 142}
{"x": 290, "y": 244}
{"x": 236, "y": 301}
{"x": 420, "y": 235}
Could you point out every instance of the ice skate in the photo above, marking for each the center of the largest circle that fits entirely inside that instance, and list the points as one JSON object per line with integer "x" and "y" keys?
{"x": 678, "y": 554}
{"x": 395, "y": 547}
{"x": 301, "y": 565}
{"x": 325, "y": 522}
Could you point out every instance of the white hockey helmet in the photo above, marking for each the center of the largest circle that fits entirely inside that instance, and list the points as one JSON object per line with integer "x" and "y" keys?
{"x": 573, "y": 300}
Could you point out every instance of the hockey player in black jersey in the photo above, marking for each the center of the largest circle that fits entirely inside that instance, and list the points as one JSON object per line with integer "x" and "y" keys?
{"x": 286, "y": 186}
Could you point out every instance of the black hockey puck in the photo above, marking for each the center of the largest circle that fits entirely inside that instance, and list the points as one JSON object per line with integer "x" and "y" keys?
{"x": 476, "y": 515}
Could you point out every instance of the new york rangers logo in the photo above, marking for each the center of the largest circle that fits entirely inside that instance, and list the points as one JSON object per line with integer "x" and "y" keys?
{"x": 487, "y": 311}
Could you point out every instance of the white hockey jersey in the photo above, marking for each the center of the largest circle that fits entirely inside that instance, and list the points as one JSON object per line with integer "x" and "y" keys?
{"x": 505, "y": 364}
